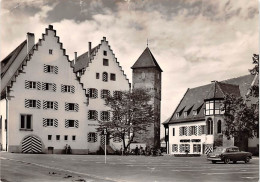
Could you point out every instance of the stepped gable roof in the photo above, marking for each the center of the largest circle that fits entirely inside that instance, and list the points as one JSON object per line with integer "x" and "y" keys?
{"x": 8, "y": 60}
{"x": 195, "y": 97}
{"x": 146, "y": 60}
{"x": 83, "y": 60}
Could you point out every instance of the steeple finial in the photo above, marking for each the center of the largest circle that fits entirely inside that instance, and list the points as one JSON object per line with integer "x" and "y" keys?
{"x": 147, "y": 42}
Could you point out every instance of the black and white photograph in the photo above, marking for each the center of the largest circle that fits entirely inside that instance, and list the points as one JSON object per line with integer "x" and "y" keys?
{"x": 129, "y": 91}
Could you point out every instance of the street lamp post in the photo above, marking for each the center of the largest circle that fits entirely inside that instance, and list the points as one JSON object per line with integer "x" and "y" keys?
{"x": 105, "y": 133}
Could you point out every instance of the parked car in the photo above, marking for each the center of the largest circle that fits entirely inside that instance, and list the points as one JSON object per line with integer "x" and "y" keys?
{"x": 227, "y": 154}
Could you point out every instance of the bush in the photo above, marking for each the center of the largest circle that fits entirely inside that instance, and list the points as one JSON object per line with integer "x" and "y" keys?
{"x": 187, "y": 155}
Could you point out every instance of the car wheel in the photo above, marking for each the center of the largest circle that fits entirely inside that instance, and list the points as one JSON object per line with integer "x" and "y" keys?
{"x": 234, "y": 162}
{"x": 213, "y": 162}
{"x": 226, "y": 160}
{"x": 247, "y": 160}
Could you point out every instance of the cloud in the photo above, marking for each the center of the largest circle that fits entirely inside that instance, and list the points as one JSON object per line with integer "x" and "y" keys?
{"x": 193, "y": 41}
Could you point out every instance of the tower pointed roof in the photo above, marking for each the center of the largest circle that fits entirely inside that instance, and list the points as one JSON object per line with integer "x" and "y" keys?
{"x": 146, "y": 60}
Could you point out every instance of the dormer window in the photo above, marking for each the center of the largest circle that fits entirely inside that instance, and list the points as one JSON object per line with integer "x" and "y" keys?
{"x": 185, "y": 114}
{"x": 195, "y": 112}
{"x": 177, "y": 115}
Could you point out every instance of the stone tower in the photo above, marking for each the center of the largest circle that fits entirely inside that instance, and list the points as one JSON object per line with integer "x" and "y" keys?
{"x": 147, "y": 75}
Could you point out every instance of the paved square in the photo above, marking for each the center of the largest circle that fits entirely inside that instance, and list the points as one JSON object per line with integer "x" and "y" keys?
{"x": 43, "y": 167}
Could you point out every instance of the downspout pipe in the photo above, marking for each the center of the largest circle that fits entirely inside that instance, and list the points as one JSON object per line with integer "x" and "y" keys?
{"x": 6, "y": 120}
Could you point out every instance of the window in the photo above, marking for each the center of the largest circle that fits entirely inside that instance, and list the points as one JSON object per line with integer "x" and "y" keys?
{"x": 50, "y": 105}
{"x": 105, "y": 62}
{"x": 67, "y": 88}
{"x": 92, "y": 114}
{"x": 113, "y": 77}
{"x": 117, "y": 94}
{"x": 50, "y": 69}
{"x": 184, "y": 148}
{"x": 65, "y": 137}
{"x": 48, "y": 86}
{"x": 104, "y": 116}
{"x": 197, "y": 148}
{"x": 26, "y": 122}
{"x": 71, "y": 106}
{"x": 50, "y": 51}
{"x": 209, "y": 108}
{"x": 105, "y": 76}
{"x": 104, "y": 93}
{"x": 73, "y": 137}
{"x": 177, "y": 115}
{"x": 174, "y": 148}
{"x": 193, "y": 130}
{"x": 218, "y": 104}
{"x": 32, "y": 85}
{"x": 105, "y": 53}
{"x": 203, "y": 129}
{"x": 209, "y": 126}
{"x": 97, "y": 75}
{"x": 173, "y": 132}
{"x": 92, "y": 137}
{"x": 116, "y": 116}
{"x": 71, "y": 123}
{"x": 50, "y": 122}
{"x": 57, "y": 137}
{"x": 183, "y": 131}
{"x": 93, "y": 93}
{"x": 195, "y": 113}
{"x": 219, "y": 126}
{"x": 32, "y": 103}
{"x": 49, "y": 137}
{"x": 185, "y": 114}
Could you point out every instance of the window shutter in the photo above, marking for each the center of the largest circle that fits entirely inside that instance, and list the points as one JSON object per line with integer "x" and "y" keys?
{"x": 26, "y": 84}
{"x": 44, "y": 122}
{"x": 38, "y": 85}
{"x": 76, "y": 123}
{"x": 95, "y": 93}
{"x": 76, "y": 107}
{"x": 189, "y": 130}
{"x": 95, "y": 137}
{"x": 180, "y": 131}
{"x": 96, "y": 115}
{"x": 108, "y": 116}
{"x": 44, "y": 105}
{"x": 26, "y": 103}
{"x": 89, "y": 114}
{"x": 102, "y": 96}
{"x": 195, "y": 130}
{"x": 43, "y": 86}
{"x": 38, "y": 104}
{"x": 185, "y": 130}
{"x": 66, "y": 123}
{"x": 53, "y": 87}
{"x": 200, "y": 130}
{"x": 66, "y": 106}
{"x": 101, "y": 115}
{"x": 62, "y": 88}
{"x": 45, "y": 68}
{"x": 88, "y": 137}
{"x": 56, "y": 105}
{"x": 72, "y": 90}
{"x": 56, "y": 69}
{"x": 55, "y": 122}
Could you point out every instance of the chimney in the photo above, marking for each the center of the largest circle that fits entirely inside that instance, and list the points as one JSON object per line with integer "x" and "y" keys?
{"x": 213, "y": 81}
{"x": 89, "y": 49}
{"x": 75, "y": 59}
{"x": 30, "y": 41}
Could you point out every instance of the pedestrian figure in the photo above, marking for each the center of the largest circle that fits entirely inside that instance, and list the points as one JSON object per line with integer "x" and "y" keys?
{"x": 141, "y": 150}
{"x": 66, "y": 149}
{"x": 69, "y": 149}
{"x": 136, "y": 150}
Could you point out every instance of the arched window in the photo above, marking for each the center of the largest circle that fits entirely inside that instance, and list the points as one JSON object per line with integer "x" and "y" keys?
{"x": 209, "y": 126}
{"x": 219, "y": 126}
{"x": 105, "y": 76}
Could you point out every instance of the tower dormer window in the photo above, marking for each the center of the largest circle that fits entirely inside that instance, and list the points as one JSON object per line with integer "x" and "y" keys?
{"x": 105, "y": 62}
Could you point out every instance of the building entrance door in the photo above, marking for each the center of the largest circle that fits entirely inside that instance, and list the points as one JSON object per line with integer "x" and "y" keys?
{"x": 31, "y": 144}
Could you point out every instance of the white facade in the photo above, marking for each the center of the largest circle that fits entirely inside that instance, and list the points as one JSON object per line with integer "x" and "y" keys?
{"x": 43, "y": 116}
{"x": 91, "y": 81}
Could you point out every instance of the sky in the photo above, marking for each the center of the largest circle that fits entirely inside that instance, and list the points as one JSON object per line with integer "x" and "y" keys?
{"x": 193, "y": 41}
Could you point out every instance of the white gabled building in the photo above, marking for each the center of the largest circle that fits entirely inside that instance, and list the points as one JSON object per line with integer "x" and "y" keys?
{"x": 101, "y": 75}
{"x": 197, "y": 124}
{"x": 43, "y": 104}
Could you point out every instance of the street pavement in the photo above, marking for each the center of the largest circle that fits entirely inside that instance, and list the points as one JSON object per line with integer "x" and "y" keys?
{"x": 91, "y": 168}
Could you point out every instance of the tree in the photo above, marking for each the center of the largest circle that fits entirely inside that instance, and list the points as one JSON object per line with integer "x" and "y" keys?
{"x": 242, "y": 114}
{"x": 131, "y": 114}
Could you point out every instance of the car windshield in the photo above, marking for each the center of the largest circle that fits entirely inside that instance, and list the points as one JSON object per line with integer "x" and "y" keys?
{"x": 219, "y": 149}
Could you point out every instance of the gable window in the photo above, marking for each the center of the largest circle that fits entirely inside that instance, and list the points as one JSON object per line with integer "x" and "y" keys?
{"x": 32, "y": 85}
{"x": 50, "y": 51}
{"x": 97, "y": 75}
{"x": 50, "y": 105}
{"x": 92, "y": 137}
{"x": 57, "y": 137}
{"x": 113, "y": 77}
{"x": 67, "y": 88}
{"x": 65, "y": 137}
{"x": 71, "y": 123}
{"x": 177, "y": 115}
{"x": 105, "y": 53}
{"x": 105, "y": 76}
{"x": 50, "y": 69}
{"x": 26, "y": 122}
{"x": 93, "y": 93}
{"x": 49, "y": 86}
{"x": 71, "y": 107}
{"x": 32, "y": 103}
{"x": 49, "y": 122}
{"x": 185, "y": 114}
{"x": 219, "y": 126}
{"x": 49, "y": 137}
{"x": 105, "y": 62}
{"x": 173, "y": 132}
{"x": 195, "y": 113}
{"x": 73, "y": 137}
